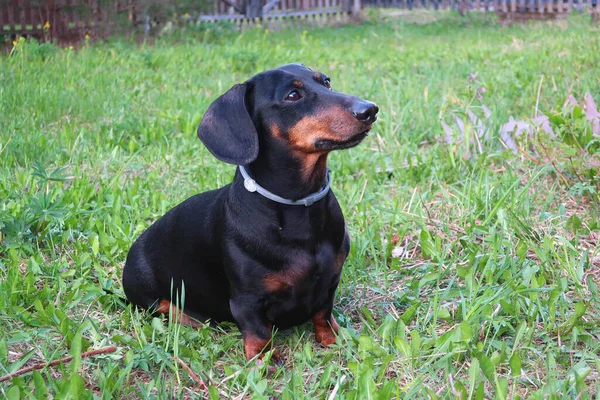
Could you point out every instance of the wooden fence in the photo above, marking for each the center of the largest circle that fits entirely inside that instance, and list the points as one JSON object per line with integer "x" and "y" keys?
{"x": 512, "y": 10}
{"x": 231, "y": 10}
{"x": 74, "y": 19}
{"x": 484, "y": 5}
{"x": 65, "y": 19}
{"x": 277, "y": 13}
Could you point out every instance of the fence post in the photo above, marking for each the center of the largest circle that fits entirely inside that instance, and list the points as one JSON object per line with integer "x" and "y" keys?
{"x": 146, "y": 20}
{"x": 253, "y": 9}
{"x": 356, "y": 7}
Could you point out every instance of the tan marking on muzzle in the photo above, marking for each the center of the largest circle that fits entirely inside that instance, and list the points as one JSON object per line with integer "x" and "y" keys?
{"x": 335, "y": 123}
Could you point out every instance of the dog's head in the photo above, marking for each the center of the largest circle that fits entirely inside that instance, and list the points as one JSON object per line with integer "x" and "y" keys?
{"x": 295, "y": 106}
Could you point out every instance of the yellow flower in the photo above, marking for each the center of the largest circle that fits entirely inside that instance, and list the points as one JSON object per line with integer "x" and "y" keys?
{"x": 17, "y": 44}
{"x": 186, "y": 15}
{"x": 19, "y": 41}
{"x": 47, "y": 25}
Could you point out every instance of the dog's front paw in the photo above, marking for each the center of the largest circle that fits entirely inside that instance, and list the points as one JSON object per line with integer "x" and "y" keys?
{"x": 325, "y": 328}
{"x": 253, "y": 346}
{"x": 326, "y": 338}
{"x": 256, "y": 347}
{"x": 275, "y": 358}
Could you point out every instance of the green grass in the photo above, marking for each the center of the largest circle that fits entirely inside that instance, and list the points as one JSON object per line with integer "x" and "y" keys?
{"x": 473, "y": 271}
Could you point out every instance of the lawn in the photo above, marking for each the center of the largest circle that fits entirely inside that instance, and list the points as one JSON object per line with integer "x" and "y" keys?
{"x": 475, "y": 263}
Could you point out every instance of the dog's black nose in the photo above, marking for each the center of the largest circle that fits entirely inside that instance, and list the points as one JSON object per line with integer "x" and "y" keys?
{"x": 365, "y": 111}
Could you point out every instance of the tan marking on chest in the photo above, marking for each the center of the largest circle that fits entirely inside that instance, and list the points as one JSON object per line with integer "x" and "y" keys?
{"x": 338, "y": 263}
{"x": 294, "y": 272}
{"x": 284, "y": 280}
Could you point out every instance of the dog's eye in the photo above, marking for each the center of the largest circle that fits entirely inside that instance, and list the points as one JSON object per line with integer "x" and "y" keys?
{"x": 328, "y": 83}
{"x": 294, "y": 95}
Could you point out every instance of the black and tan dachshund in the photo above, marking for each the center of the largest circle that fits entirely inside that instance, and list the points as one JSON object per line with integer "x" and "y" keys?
{"x": 266, "y": 250}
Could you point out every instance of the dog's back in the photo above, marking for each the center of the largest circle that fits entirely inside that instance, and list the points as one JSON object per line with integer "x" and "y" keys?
{"x": 170, "y": 252}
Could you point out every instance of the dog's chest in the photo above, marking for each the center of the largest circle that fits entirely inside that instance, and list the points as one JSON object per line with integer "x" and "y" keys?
{"x": 302, "y": 269}
{"x": 297, "y": 290}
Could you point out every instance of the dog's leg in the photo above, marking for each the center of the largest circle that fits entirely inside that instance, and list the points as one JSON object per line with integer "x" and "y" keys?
{"x": 325, "y": 327}
{"x": 166, "y": 307}
{"x": 256, "y": 333}
{"x": 255, "y": 345}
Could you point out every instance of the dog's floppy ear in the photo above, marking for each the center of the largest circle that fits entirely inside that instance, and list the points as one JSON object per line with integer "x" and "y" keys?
{"x": 227, "y": 129}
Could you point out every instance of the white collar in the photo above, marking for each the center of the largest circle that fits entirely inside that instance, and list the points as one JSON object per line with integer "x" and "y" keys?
{"x": 251, "y": 186}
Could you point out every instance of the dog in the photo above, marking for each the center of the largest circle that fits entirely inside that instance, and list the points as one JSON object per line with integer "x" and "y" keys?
{"x": 266, "y": 250}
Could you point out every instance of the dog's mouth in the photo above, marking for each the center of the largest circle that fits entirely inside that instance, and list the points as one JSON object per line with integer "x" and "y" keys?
{"x": 352, "y": 141}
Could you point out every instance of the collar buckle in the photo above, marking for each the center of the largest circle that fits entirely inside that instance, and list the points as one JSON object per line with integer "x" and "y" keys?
{"x": 251, "y": 186}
